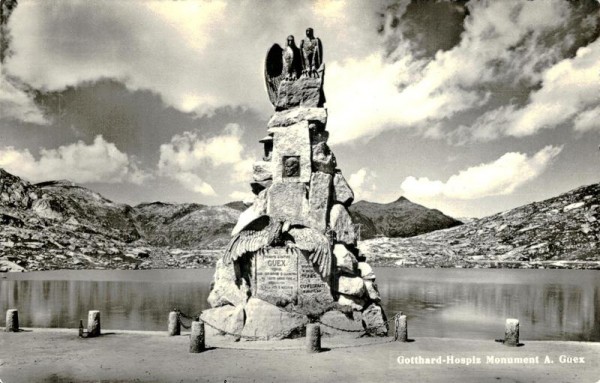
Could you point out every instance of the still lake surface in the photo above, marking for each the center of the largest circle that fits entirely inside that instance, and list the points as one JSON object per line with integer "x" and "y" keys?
{"x": 450, "y": 303}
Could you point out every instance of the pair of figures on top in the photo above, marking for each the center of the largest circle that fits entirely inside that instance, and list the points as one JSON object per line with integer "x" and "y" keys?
{"x": 303, "y": 61}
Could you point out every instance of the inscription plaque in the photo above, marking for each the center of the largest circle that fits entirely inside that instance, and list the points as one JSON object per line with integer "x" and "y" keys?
{"x": 282, "y": 277}
{"x": 276, "y": 276}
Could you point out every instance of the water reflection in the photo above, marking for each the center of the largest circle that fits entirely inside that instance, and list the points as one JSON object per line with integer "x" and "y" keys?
{"x": 550, "y": 304}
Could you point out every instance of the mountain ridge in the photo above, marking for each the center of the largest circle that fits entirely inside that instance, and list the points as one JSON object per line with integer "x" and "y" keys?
{"x": 59, "y": 224}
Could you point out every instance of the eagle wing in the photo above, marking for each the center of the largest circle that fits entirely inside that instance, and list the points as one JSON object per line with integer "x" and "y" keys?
{"x": 317, "y": 244}
{"x": 257, "y": 235}
{"x": 273, "y": 71}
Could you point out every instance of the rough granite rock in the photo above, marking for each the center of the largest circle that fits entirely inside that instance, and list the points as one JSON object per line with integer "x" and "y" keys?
{"x": 355, "y": 303}
{"x": 229, "y": 319}
{"x": 372, "y": 291}
{"x": 323, "y": 159}
{"x": 293, "y": 116}
{"x": 227, "y": 289}
{"x": 354, "y": 286}
{"x": 366, "y": 271}
{"x": 342, "y": 192}
{"x": 262, "y": 170}
{"x": 305, "y": 92}
{"x": 265, "y": 320}
{"x": 375, "y": 320}
{"x": 292, "y": 141}
{"x": 319, "y": 200}
{"x": 47, "y": 208}
{"x": 344, "y": 259}
{"x": 335, "y": 322}
{"x": 287, "y": 201}
{"x": 341, "y": 223}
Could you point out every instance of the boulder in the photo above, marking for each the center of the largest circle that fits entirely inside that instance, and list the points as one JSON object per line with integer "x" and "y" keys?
{"x": 293, "y": 116}
{"x": 319, "y": 200}
{"x": 338, "y": 323}
{"x": 354, "y": 286}
{"x": 344, "y": 259}
{"x": 262, "y": 171}
{"x": 317, "y": 135}
{"x": 372, "y": 291}
{"x": 355, "y": 303}
{"x": 305, "y": 92}
{"x": 341, "y": 223}
{"x": 342, "y": 192}
{"x": 291, "y": 144}
{"x": 375, "y": 320}
{"x": 366, "y": 271}
{"x": 227, "y": 289}
{"x": 287, "y": 201}
{"x": 323, "y": 159}
{"x": 266, "y": 321}
{"x": 47, "y": 208}
{"x": 228, "y": 319}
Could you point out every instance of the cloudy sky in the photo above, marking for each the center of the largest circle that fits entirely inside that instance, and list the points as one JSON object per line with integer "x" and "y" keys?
{"x": 470, "y": 107}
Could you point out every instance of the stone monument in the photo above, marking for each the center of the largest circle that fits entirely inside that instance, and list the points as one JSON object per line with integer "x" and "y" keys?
{"x": 293, "y": 257}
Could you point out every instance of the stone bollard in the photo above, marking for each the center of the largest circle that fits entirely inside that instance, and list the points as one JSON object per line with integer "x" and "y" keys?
{"x": 197, "y": 343}
{"x": 174, "y": 324}
{"x": 401, "y": 334}
{"x": 511, "y": 332}
{"x": 93, "y": 327}
{"x": 313, "y": 338}
{"x": 12, "y": 320}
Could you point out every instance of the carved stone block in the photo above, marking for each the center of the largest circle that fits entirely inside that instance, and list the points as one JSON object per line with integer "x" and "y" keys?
{"x": 293, "y": 141}
{"x": 287, "y": 201}
{"x": 262, "y": 171}
{"x": 306, "y": 92}
{"x": 323, "y": 159}
{"x": 319, "y": 200}
{"x": 341, "y": 223}
{"x": 293, "y": 116}
{"x": 342, "y": 191}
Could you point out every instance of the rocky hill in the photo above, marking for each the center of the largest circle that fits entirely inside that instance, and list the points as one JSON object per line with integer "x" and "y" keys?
{"x": 186, "y": 225}
{"x": 58, "y": 224}
{"x": 559, "y": 232}
{"x": 401, "y": 218}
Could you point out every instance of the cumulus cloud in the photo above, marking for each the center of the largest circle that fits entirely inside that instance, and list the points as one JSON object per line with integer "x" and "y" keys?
{"x": 197, "y": 54}
{"x": 16, "y": 103}
{"x": 100, "y": 161}
{"x": 570, "y": 94}
{"x": 363, "y": 183}
{"x": 500, "y": 177}
{"x": 188, "y": 156}
{"x": 504, "y": 44}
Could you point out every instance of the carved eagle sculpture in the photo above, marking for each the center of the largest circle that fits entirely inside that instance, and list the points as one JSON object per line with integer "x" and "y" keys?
{"x": 264, "y": 232}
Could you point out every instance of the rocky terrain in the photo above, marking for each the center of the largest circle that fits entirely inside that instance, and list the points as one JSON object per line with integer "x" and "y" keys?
{"x": 57, "y": 224}
{"x": 561, "y": 232}
{"x": 401, "y": 218}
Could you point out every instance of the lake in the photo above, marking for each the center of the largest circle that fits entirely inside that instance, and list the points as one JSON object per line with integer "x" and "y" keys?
{"x": 450, "y": 303}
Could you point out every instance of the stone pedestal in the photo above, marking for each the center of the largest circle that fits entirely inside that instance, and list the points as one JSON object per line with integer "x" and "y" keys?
{"x": 511, "y": 332}
{"x": 93, "y": 328}
{"x": 12, "y": 320}
{"x": 197, "y": 343}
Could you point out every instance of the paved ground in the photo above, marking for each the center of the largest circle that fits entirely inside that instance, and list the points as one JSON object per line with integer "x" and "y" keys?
{"x": 51, "y": 355}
